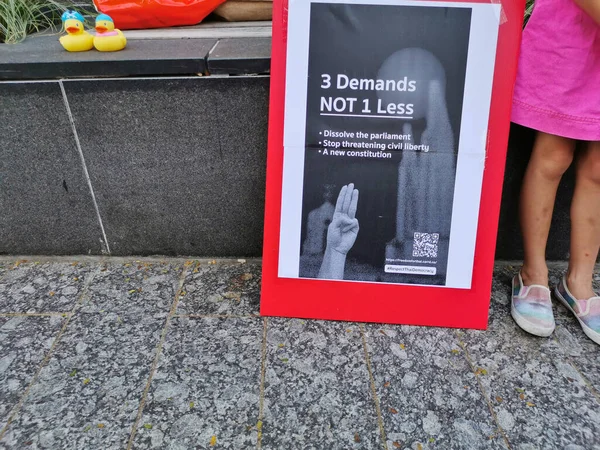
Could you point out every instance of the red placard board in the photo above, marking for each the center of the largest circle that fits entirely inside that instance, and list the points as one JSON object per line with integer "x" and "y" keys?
{"x": 388, "y": 129}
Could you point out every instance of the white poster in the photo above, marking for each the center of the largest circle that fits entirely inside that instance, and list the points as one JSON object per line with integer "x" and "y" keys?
{"x": 386, "y": 116}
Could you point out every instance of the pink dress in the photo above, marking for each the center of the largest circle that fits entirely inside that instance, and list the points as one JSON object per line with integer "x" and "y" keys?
{"x": 558, "y": 80}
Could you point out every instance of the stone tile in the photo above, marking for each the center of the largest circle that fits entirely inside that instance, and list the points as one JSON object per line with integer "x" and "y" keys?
{"x": 88, "y": 395}
{"x": 5, "y": 265}
{"x": 24, "y": 343}
{"x": 177, "y": 165}
{"x": 317, "y": 388}
{"x": 35, "y": 287}
{"x": 43, "y": 57}
{"x": 583, "y": 352}
{"x": 222, "y": 288}
{"x": 134, "y": 288}
{"x": 540, "y": 399}
{"x": 207, "y": 384}
{"x": 240, "y": 56}
{"x": 45, "y": 201}
{"x": 428, "y": 393}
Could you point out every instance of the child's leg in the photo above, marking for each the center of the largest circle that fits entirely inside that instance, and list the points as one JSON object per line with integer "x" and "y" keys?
{"x": 585, "y": 223}
{"x": 551, "y": 157}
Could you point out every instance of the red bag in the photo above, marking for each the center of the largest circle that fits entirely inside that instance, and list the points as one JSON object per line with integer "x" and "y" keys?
{"x": 132, "y": 14}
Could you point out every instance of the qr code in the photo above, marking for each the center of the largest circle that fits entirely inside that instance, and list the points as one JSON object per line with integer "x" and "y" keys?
{"x": 425, "y": 245}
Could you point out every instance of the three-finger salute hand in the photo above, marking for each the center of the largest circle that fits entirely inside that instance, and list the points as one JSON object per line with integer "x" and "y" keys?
{"x": 343, "y": 229}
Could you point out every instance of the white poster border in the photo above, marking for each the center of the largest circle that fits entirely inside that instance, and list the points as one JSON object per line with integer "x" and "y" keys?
{"x": 472, "y": 143}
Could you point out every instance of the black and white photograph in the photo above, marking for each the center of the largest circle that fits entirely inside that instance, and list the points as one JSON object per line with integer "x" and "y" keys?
{"x": 400, "y": 161}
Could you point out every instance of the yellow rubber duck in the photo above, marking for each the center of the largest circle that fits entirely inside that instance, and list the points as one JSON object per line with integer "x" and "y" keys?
{"x": 108, "y": 39}
{"x": 77, "y": 39}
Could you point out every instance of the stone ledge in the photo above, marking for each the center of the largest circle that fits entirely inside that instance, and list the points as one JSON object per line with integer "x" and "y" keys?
{"x": 42, "y": 57}
{"x": 240, "y": 56}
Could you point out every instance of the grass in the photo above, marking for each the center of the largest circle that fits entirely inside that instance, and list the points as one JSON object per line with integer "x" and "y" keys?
{"x": 528, "y": 11}
{"x": 18, "y": 18}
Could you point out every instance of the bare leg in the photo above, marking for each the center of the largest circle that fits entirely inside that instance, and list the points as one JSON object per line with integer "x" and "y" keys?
{"x": 585, "y": 223}
{"x": 551, "y": 157}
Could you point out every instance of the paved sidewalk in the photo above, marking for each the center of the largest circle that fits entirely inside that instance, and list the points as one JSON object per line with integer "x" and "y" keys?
{"x": 171, "y": 354}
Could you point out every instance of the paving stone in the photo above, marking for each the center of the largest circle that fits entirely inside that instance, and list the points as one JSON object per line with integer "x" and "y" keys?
{"x": 134, "y": 288}
{"x": 24, "y": 343}
{"x": 540, "y": 399}
{"x": 43, "y": 287}
{"x": 428, "y": 392}
{"x": 88, "y": 395}
{"x": 317, "y": 388}
{"x": 222, "y": 288}
{"x": 4, "y": 266}
{"x": 206, "y": 387}
{"x": 544, "y": 392}
{"x": 584, "y": 354}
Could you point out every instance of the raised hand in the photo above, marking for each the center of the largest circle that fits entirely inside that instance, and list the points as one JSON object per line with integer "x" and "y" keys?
{"x": 343, "y": 228}
{"x": 341, "y": 234}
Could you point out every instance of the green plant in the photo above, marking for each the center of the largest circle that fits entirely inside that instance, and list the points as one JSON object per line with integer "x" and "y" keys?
{"x": 18, "y": 18}
{"x": 528, "y": 11}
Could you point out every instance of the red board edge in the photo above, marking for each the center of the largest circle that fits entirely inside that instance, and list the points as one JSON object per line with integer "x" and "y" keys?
{"x": 384, "y": 303}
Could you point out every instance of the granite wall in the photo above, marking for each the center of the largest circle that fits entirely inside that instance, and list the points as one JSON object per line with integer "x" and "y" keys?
{"x": 167, "y": 166}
